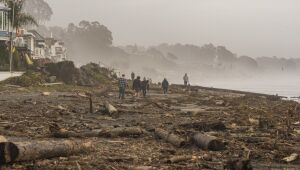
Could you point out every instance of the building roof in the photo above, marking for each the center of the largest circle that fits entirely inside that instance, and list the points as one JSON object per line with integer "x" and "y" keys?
{"x": 3, "y": 7}
{"x": 37, "y": 36}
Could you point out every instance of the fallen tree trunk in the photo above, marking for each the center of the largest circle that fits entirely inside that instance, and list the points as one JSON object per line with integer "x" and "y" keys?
{"x": 116, "y": 132}
{"x": 70, "y": 134}
{"x": 122, "y": 132}
{"x": 11, "y": 152}
{"x": 205, "y": 126}
{"x": 208, "y": 142}
{"x": 173, "y": 139}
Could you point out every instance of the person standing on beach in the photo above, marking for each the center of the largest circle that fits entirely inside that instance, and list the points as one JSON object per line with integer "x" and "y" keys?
{"x": 185, "y": 80}
{"x": 165, "y": 85}
{"x": 144, "y": 86}
{"x": 132, "y": 76}
{"x": 137, "y": 86}
{"x": 122, "y": 87}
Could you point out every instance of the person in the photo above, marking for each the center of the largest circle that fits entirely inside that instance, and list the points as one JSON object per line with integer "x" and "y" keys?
{"x": 165, "y": 85}
{"x": 122, "y": 86}
{"x": 137, "y": 86}
{"x": 144, "y": 86}
{"x": 186, "y": 79}
{"x": 132, "y": 76}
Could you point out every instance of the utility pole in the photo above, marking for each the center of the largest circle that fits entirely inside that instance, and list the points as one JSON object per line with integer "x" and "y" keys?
{"x": 11, "y": 37}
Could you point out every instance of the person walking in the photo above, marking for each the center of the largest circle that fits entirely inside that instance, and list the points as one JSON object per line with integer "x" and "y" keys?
{"x": 165, "y": 85}
{"x": 132, "y": 76}
{"x": 144, "y": 86}
{"x": 185, "y": 80}
{"x": 122, "y": 87}
{"x": 137, "y": 86}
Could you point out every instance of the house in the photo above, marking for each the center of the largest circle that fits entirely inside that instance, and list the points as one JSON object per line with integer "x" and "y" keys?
{"x": 4, "y": 23}
{"x": 39, "y": 51}
{"x": 40, "y": 47}
{"x": 56, "y": 49}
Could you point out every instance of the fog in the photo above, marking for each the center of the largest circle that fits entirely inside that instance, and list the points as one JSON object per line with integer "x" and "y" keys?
{"x": 236, "y": 44}
{"x": 254, "y": 27}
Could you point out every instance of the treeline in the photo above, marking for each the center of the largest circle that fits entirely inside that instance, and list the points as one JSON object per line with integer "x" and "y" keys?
{"x": 92, "y": 41}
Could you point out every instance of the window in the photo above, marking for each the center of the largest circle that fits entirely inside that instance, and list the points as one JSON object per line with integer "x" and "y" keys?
{"x": 5, "y": 23}
{"x": 1, "y": 20}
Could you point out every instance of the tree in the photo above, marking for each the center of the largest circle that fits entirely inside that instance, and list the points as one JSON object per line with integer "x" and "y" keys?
{"x": 17, "y": 17}
{"x": 39, "y": 9}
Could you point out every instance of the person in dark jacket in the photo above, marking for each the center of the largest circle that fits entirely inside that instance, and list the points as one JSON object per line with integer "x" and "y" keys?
{"x": 122, "y": 86}
{"x": 144, "y": 86}
{"x": 165, "y": 85}
{"x": 137, "y": 86}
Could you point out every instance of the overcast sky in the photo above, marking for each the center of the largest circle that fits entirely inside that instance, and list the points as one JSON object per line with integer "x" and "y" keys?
{"x": 247, "y": 27}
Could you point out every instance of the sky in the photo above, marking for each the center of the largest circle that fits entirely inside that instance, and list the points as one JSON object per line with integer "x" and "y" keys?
{"x": 247, "y": 27}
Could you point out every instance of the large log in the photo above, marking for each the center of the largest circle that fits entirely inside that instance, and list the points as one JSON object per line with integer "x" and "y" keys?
{"x": 205, "y": 126}
{"x": 11, "y": 152}
{"x": 169, "y": 137}
{"x": 122, "y": 132}
{"x": 69, "y": 134}
{"x": 115, "y": 132}
{"x": 208, "y": 142}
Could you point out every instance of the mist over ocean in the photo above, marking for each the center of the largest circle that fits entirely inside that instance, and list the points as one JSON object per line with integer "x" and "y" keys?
{"x": 287, "y": 86}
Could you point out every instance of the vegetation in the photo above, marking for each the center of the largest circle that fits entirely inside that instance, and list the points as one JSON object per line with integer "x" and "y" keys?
{"x": 39, "y": 9}
{"x": 30, "y": 78}
{"x": 17, "y": 16}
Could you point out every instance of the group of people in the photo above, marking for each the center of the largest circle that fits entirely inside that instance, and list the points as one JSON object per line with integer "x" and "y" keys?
{"x": 139, "y": 85}
{"x": 143, "y": 86}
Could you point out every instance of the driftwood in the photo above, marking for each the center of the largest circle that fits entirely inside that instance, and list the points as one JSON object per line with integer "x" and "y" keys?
{"x": 122, "y": 132}
{"x": 115, "y": 132}
{"x": 177, "y": 159}
{"x": 169, "y": 137}
{"x": 257, "y": 165}
{"x": 110, "y": 108}
{"x": 91, "y": 103}
{"x": 238, "y": 165}
{"x": 11, "y": 152}
{"x": 142, "y": 168}
{"x": 205, "y": 126}
{"x": 208, "y": 142}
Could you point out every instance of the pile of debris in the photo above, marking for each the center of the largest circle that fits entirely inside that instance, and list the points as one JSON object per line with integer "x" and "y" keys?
{"x": 92, "y": 74}
{"x": 66, "y": 72}
{"x": 30, "y": 78}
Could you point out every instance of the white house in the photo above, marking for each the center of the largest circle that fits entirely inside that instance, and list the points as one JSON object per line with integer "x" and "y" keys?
{"x": 39, "y": 45}
{"x": 4, "y": 23}
{"x": 56, "y": 49}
